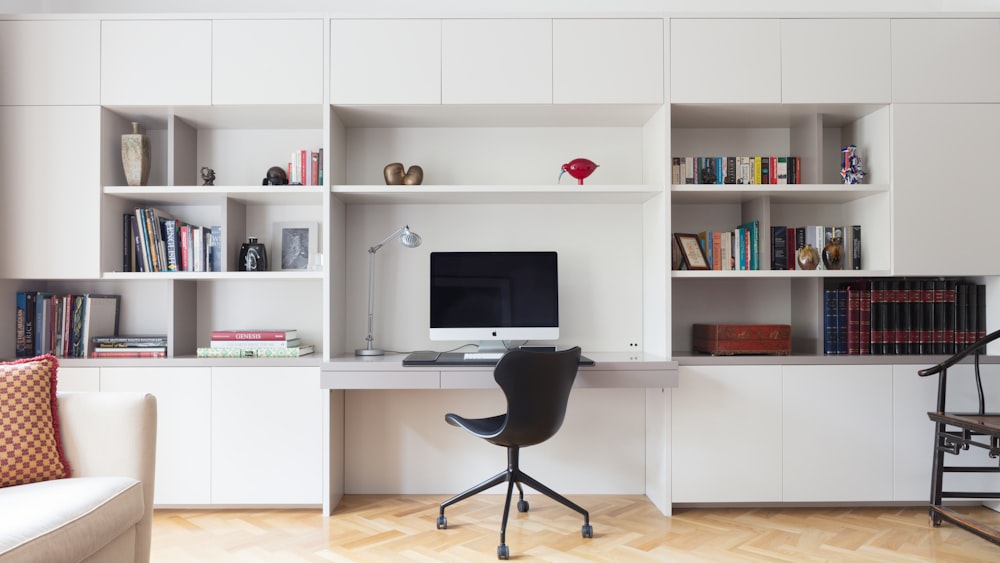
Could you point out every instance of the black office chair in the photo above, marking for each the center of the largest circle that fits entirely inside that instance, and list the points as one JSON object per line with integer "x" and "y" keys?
{"x": 537, "y": 386}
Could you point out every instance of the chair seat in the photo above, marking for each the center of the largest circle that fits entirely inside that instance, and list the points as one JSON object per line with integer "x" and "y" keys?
{"x": 480, "y": 427}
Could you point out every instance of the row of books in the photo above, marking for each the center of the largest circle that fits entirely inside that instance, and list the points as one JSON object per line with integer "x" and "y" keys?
{"x": 787, "y": 241}
{"x": 736, "y": 170}
{"x": 305, "y": 167}
{"x": 153, "y": 241}
{"x": 903, "y": 316}
{"x": 62, "y": 324}
{"x": 130, "y": 346}
{"x": 738, "y": 249}
{"x": 255, "y": 344}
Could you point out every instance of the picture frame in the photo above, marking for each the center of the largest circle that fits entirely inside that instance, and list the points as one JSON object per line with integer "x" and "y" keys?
{"x": 691, "y": 251}
{"x": 296, "y": 243}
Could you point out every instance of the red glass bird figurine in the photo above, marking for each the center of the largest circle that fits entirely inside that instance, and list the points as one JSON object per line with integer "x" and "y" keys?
{"x": 578, "y": 168}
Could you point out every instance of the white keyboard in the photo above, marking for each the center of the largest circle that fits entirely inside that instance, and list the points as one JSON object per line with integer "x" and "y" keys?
{"x": 483, "y": 355}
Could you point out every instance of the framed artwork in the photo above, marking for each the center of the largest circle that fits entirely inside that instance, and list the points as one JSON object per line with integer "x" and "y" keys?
{"x": 691, "y": 251}
{"x": 296, "y": 243}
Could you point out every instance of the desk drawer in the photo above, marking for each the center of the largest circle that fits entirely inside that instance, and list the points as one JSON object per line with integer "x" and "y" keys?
{"x": 616, "y": 379}
{"x": 403, "y": 379}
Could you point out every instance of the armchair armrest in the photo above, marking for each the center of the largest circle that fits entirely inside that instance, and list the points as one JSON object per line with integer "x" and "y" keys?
{"x": 113, "y": 434}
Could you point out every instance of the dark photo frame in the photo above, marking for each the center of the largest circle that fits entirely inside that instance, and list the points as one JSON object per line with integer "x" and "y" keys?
{"x": 691, "y": 251}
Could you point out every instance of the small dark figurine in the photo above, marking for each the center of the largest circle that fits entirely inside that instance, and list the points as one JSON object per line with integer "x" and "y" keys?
{"x": 208, "y": 175}
{"x": 276, "y": 176}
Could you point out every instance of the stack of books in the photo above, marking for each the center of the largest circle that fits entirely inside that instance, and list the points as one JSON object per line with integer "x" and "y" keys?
{"x": 62, "y": 324}
{"x": 255, "y": 344}
{"x": 135, "y": 346}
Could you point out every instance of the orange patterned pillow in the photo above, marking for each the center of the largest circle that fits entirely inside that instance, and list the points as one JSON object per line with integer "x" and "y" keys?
{"x": 30, "y": 444}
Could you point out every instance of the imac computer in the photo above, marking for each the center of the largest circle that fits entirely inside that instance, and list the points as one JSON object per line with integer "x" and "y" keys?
{"x": 494, "y": 297}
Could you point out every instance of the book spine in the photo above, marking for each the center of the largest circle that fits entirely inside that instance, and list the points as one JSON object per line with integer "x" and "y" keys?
{"x": 779, "y": 248}
{"x": 842, "y": 321}
{"x": 170, "y": 241}
{"x": 112, "y": 353}
{"x": 215, "y": 248}
{"x": 940, "y": 317}
{"x": 294, "y": 352}
{"x": 320, "y": 172}
{"x": 962, "y": 316}
{"x": 20, "y": 341}
{"x": 853, "y": 321}
{"x": 830, "y": 303}
{"x": 127, "y": 250}
{"x": 980, "y": 311}
{"x": 255, "y": 343}
{"x": 252, "y": 335}
{"x": 865, "y": 323}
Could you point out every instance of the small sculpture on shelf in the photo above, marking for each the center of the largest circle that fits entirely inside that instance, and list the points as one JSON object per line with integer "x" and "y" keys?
{"x": 833, "y": 253}
{"x": 253, "y": 256}
{"x": 851, "y": 170}
{"x": 395, "y": 176}
{"x": 807, "y": 257}
{"x": 578, "y": 168}
{"x": 208, "y": 175}
{"x": 276, "y": 176}
{"x": 135, "y": 156}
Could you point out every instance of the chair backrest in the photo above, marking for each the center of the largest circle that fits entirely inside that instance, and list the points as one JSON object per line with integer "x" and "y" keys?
{"x": 537, "y": 386}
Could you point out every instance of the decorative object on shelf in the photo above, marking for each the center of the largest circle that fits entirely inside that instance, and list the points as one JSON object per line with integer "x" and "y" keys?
{"x": 807, "y": 257}
{"x": 833, "y": 254}
{"x": 736, "y": 339}
{"x": 208, "y": 175}
{"x": 851, "y": 171}
{"x": 297, "y": 243}
{"x": 578, "y": 168}
{"x": 135, "y": 156}
{"x": 409, "y": 239}
{"x": 276, "y": 176}
{"x": 395, "y": 176}
{"x": 691, "y": 251}
{"x": 253, "y": 256}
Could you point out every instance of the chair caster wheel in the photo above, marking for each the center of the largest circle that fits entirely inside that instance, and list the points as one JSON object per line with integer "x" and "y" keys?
{"x": 587, "y": 531}
{"x": 522, "y": 506}
{"x": 503, "y": 552}
{"x": 442, "y": 523}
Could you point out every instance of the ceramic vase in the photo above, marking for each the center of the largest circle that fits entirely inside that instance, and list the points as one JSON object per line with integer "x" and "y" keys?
{"x": 253, "y": 256}
{"x": 135, "y": 157}
{"x": 807, "y": 257}
{"x": 833, "y": 254}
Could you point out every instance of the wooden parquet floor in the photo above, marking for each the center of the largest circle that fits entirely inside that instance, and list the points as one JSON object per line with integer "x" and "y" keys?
{"x": 626, "y": 528}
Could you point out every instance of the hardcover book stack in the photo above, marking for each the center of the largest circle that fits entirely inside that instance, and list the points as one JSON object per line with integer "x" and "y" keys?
{"x": 153, "y": 241}
{"x": 255, "y": 344}
{"x": 903, "y": 316}
{"x": 736, "y": 170}
{"x": 62, "y": 324}
{"x": 737, "y": 249}
{"x": 786, "y": 242}
{"x": 135, "y": 346}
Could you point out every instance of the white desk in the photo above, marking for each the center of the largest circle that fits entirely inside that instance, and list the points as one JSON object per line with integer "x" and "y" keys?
{"x": 611, "y": 370}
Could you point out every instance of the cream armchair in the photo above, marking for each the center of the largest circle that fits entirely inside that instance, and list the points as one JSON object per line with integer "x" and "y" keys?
{"x": 104, "y": 510}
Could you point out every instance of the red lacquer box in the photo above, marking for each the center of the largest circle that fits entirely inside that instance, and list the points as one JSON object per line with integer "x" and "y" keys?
{"x": 731, "y": 340}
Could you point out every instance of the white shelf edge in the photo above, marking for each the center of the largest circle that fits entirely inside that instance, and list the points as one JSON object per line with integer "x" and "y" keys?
{"x": 751, "y": 274}
{"x": 779, "y": 193}
{"x": 542, "y": 193}
{"x": 198, "y": 276}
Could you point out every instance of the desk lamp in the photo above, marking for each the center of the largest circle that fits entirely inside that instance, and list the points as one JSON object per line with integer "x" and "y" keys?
{"x": 409, "y": 239}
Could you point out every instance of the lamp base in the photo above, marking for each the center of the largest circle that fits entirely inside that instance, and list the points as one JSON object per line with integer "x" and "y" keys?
{"x": 369, "y": 352}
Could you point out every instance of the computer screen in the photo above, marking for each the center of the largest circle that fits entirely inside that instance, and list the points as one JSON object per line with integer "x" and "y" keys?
{"x": 494, "y": 297}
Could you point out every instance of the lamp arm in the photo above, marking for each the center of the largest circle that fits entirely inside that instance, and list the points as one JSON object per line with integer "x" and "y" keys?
{"x": 388, "y": 239}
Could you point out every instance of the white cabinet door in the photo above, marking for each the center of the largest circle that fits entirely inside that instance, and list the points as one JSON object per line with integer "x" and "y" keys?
{"x": 726, "y": 434}
{"x": 267, "y": 439}
{"x": 183, "y": 431}
{"x": 267, "y": 62}
{"x": 496, "y": 61}
{"x": 913, "y": 431}
{"x": 835, "y": 60}
{"x": 50, "y": 193}
{"x": 836, "y": 433}
{"x": 607, "y": 61}
{"x": 946, "y": 60}
{"x": 79, "y": 380}
{"x": 725, "y": 60}
{"x": 385, "y": 61}
{"x": 162, "y": 62}
{"x": 53, "y": 62}
{"x": 944, "y": 205}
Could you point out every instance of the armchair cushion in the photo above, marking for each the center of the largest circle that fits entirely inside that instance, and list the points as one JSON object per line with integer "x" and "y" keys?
{"x": 30, "y": 443}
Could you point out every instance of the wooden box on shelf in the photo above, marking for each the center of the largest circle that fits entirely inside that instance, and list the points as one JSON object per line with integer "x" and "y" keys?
{"x": 737, "y": 339}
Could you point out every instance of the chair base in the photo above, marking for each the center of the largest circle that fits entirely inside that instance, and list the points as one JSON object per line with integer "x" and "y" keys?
{"x": 513, "y": 476}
